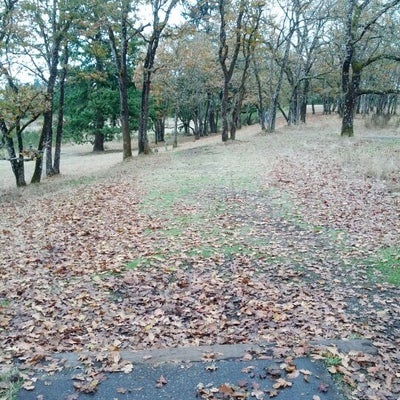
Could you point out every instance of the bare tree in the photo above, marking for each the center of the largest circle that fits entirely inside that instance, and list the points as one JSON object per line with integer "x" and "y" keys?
{"x": 228, "y": 59}
{"x": 20, "y": 104}
{"x": 308, "y": 39}
{"x": 161, "y": 11}
{"x": 49, "y": 20}
{"x": 280, "y": 51}
{"x": 121, "y": 33}
{"x": 249, "y": 41}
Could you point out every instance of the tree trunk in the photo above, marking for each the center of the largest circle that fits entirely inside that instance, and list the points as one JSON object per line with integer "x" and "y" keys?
{"x": 59, "y": 131}
{"x": 348, "y": 93}
{"x": 17, "y": 166}
{"x": 237, "y": 108}
{"x": 224, "y": 112}
{"x": 205, "y": 129}
{"x": 293, "y": 115}
{"x": 48, "y": 141}
{"x": 60, "y": 116}
{"x": 17, "y": 163}
{"x": 211, "y": 115}
{"x": 175, "y": 144}
{"x": 37, "y": 173}
{"x": 48, "y": 115}
{"x": 148, "y": 65}
{"x": 98, "y": 144}
{"x": 223, "y": 58}
{"x": 196, "y": 127}
{"x": 349, "y": 104}
{"x": 125, "y": 128}
{"x": 143, "y": 140}
{"x": 261, "y": 111}
{"x": 159, "y": 129}
{"x": 46, "y": 137}
{"x": 44, "y": 146}
{"x": 275, "y": 97}
{"x": 303, "y": 104}
{"x": 120, "y": 60}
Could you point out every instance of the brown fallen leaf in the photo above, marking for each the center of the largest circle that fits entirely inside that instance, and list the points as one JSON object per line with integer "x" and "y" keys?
{"x": 281, "y": 384}
{"x": 88, "y": 387}
{"x": 248, "y": 370}
{"x": 323, "y": 387}
{"x": 212, "y": 367}
{"x": 274, "y": 372}
{"x": 293, "y": 375}
{"x": 226, "y": 389}
{"x": 28, "y": 385}
{"x": 73, "y": 396}
{"x": 333, "y": 369}
{"x": 272, "y": 393}
{"x": 127, "y": 368}
{"x": 209, "y": 356}
{"x": 289, "y": 365}
{"x": 247, "y": 357}
{"x": 242, "y": 383}
{"x": 161, "y": 381}
{"x": 258, "y": 394}
{"x": 305, "y": 372}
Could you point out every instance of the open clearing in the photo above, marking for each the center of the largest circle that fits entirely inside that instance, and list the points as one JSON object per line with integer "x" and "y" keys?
{"x": 283, "y": 238}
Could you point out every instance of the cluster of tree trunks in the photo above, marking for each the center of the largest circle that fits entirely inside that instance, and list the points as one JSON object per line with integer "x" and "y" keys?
{"x": 273, "y": 63}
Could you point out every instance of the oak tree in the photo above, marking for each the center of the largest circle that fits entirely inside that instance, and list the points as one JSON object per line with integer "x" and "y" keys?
{"x": 368, "y": 37}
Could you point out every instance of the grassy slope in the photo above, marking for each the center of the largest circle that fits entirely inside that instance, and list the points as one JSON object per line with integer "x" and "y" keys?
{"x": 292, "y": 232}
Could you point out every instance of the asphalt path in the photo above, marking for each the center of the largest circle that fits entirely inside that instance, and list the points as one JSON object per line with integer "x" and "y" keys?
{"x": 182, "y": 374}
{"x": 195, "y": 380}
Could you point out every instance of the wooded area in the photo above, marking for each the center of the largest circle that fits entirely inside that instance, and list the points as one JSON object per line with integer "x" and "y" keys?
{"x": 93, "y": 71}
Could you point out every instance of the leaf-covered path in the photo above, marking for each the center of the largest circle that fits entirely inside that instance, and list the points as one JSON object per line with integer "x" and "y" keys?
{"x": 266, "y": 239}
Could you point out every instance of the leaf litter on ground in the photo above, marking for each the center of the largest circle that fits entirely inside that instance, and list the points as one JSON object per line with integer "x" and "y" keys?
{"x": 256, "y": 242}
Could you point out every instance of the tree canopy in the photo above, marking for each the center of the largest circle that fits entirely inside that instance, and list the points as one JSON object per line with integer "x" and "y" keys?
{"x": 126, "y": 66}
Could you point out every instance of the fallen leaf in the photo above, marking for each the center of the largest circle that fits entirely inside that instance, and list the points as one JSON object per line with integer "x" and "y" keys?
{"x": 226, "y": 389}
{"x": 213, "y": 367}
{"x": 281, "y": 384}
{"x": 161, "y": 381}
{"x": 323, "y": 387}
{"x": 272, "y": 393}
{"x": 28, "y": 385}
{"x": 127, "y": 368}
{"x": 88, "y": 387}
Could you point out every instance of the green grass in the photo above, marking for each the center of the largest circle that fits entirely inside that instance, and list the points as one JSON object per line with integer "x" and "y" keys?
{"x": 371, "y": 158}
{"x": 4, "y": 303}
{"x": 331, "y": 360}
{"x": 202, "y": 251}
{"x": 145, "y": 261}
{"x": 175, "y": 232}
{"x": 387, "y": 263}
{"x": 136, "y": 263}
{"x": 10, "y": 383}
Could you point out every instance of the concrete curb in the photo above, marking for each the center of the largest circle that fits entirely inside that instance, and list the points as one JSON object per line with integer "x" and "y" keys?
{"x": 220, "y": 352}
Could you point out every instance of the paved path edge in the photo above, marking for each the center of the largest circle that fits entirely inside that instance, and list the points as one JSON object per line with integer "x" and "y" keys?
{"x": 220, "y": 351}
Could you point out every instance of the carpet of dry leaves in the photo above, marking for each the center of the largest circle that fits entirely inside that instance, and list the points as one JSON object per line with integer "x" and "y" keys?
{"x": 265, "y": 239}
